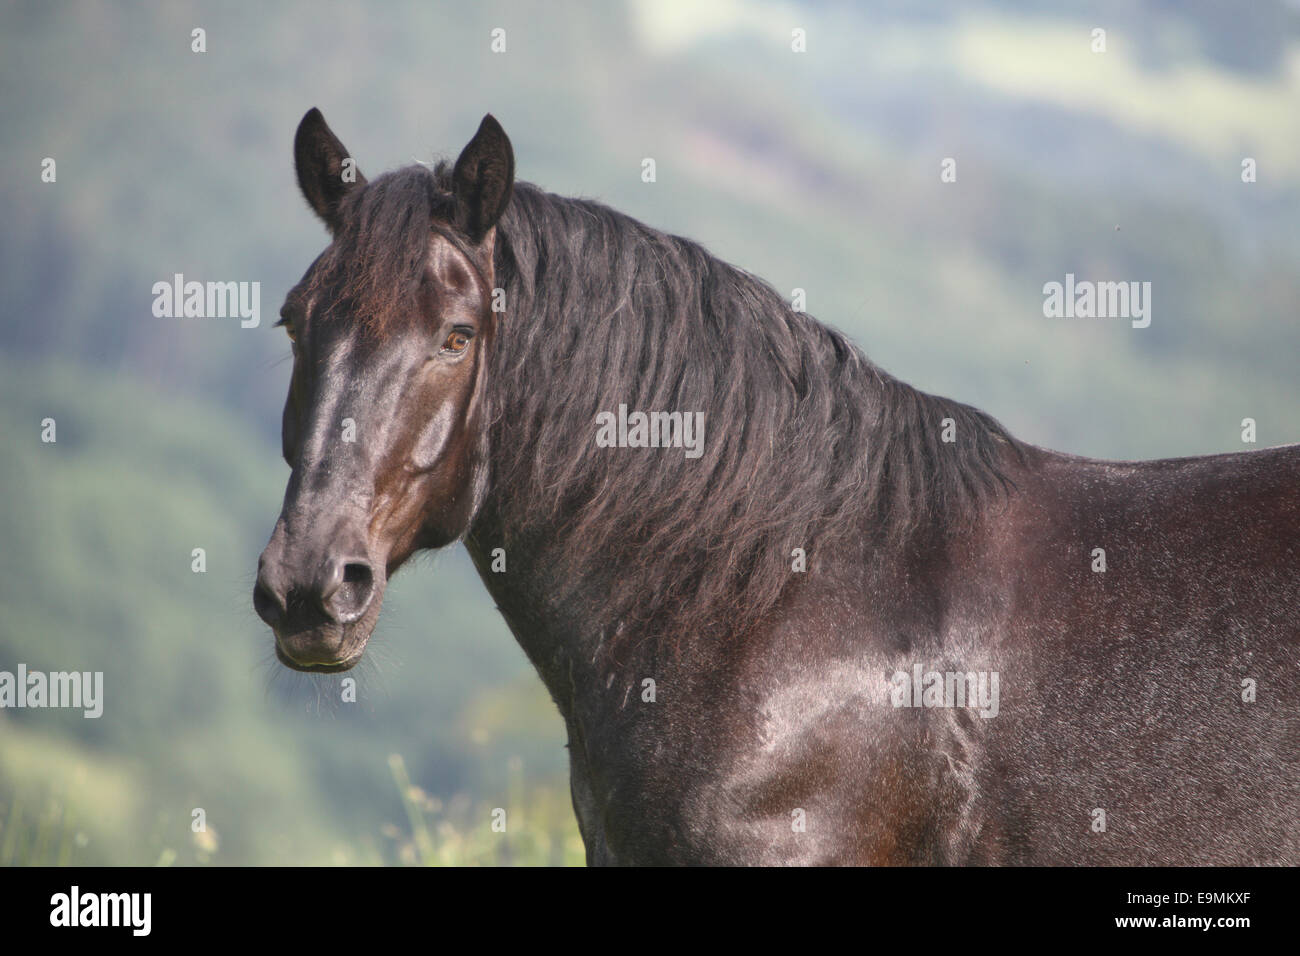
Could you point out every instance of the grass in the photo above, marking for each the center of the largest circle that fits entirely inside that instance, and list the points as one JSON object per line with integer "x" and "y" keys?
{"x": 535, "y": 828}
{"x": 538, "y": 830}
{"x": 42, "y": 832}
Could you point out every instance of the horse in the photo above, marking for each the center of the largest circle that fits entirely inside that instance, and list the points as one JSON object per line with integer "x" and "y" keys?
{"x": 842, "y": 621}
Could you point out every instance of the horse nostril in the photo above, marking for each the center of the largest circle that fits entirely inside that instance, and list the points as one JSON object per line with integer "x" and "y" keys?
{"x": 268, "y": 607}
{"x": 351, "y": 592}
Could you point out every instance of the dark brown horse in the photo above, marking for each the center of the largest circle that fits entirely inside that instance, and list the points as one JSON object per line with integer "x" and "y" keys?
{"x": 791, "y": 609}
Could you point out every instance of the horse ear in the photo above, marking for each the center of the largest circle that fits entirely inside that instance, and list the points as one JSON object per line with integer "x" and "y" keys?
{"x": 319, "y": 158}
{"x": 484, "y": 177}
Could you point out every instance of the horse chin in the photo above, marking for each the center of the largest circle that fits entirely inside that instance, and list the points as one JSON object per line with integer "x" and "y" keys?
{"x": 311, "y": 659}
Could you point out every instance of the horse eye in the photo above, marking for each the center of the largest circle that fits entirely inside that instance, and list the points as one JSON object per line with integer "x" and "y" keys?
{"x": 290, "y": 331}
{"x": 457, "y": 342}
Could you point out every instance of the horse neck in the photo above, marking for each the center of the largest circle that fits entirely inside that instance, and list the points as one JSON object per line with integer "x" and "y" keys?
{"x": 889, "y": 458}
{"x": 520, "y": 565}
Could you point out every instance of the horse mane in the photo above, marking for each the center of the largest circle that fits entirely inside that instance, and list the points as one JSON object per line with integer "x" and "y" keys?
{"x": 807, "y": 443}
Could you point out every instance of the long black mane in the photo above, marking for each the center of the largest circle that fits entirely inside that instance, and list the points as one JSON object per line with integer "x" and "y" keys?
{"x": 807, "y": 443}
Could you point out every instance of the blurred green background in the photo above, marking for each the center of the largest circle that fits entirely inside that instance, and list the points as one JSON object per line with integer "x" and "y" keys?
{"x": 817, "y": 170}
